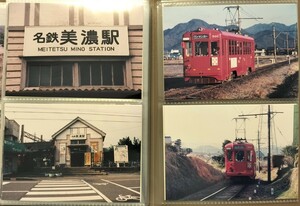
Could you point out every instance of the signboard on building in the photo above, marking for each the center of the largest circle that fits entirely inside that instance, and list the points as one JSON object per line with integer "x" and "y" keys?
{"x": 121, "y": 154}
{"x": 76, "y": 41}
{"x": 62, "y": 153}
{"x": 78, "y": 136}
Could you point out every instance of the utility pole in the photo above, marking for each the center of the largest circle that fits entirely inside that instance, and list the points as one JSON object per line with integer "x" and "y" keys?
{"x": 258, "y": 148}
{"x": 235, "y": 18}
{"x": 240, "y": 128}
{"x": 274, "y": 42}
{"x": 269, "y": 113}
{"x": 287, "y": 43}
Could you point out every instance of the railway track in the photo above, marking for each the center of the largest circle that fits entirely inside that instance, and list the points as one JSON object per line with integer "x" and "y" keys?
{"x": 226, "y": 193}
{"x": 176, "y": 89}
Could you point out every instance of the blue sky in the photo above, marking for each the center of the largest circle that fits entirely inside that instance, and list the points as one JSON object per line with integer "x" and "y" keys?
{"x": 282, "y": 13}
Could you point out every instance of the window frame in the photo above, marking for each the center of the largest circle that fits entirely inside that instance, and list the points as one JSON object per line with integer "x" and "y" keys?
{"x": 127, "y": 71}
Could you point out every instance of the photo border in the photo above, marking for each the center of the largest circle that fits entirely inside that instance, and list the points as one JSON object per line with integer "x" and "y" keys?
{"x": 157, "y": 189}
{"x": 144, "y": 101}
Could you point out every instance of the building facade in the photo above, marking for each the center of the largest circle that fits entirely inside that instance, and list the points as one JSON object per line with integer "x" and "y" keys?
{"x": 78, "y": 144}
{"x": 13, "y": 149}
{"x": 67, "y": 50}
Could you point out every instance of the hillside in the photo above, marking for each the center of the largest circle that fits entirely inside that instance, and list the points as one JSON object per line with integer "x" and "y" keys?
{"x": 262, "y": 33}
{"x": 188, "y": 174}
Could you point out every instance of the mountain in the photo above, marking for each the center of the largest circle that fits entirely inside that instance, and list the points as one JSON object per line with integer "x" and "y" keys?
{"x": 263, "y": 27}
{"x": 173, "y": 36}
{"x": 262, "y": 33}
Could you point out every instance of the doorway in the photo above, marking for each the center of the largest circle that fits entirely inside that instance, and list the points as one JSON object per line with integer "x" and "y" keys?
{"x": 77, "y": 159}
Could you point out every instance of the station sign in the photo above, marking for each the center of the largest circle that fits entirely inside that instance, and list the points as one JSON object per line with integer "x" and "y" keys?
{"x": 78, "y": 136}
{"x": 76, "y": 41}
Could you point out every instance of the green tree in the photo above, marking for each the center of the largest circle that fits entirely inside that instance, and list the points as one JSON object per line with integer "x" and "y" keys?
{"x": 220, "y": 158}
{"x": 289, "y": 151}
{"x": 178, "y": 143}
{"x": 226, "y": 141}
{"x": 291, "y": 155}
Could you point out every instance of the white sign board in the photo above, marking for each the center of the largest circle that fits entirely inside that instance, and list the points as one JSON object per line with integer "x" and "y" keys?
{"x": 76, "y": 41}
{"x": 78, "y": 136}
{"x": 62, "y": 153}
{"x": 121, "y": 154}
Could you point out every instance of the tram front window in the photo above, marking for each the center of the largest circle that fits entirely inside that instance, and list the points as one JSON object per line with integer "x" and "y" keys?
{"x": 201, "y": 48}
{"x": 239, "y": 156}
{"x": 214, "y": 48}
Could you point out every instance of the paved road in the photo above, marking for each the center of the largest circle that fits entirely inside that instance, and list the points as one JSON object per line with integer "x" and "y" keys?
{"x": 100, "y": 188}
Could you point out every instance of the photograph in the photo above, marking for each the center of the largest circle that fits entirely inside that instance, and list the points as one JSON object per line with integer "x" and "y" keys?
{"x": 75, "y": 50}
{"x": 72, "y": 153}
{"x": 230, "y": 52}
{"x": 231, "y": 152}
{"x": 2, "y": 31}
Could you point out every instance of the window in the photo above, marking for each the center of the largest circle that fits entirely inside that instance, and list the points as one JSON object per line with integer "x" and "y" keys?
{"x": 102, "y": 73}
{"x": 239, "y": 155}
{"x": 201, "y": 48}
{"x": 239, "y": 47}
{"x": 215, "y": 48}
{"x": 84, "y": 73}
{"x": 233, "y": 47}
{"x": 249, "y": 157}
{"x": 247, "y": 47}
{"x": 188, "y": 49}
{"x": 229, "y": 154}
{"x": 49, "y": 74}
{"x": 77, "y": 141}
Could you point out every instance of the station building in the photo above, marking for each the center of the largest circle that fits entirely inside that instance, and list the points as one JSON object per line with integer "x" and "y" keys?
{"x": 71, "y": 51}
{"x": 78, "y": 144}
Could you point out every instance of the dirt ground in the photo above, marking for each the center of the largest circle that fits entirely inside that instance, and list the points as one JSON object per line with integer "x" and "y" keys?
{"x": 282, "y": 186}
{"x": 186, "y": 175}
{"x": 191, "y": 178}
{"x": 272, "y": 85}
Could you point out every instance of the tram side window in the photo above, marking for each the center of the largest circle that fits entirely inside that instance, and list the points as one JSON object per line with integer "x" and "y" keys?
{"x": 229, "y": 154}
{"x": 246, "y": 47}
{"x": 239, "y": 155}
{"x": 231, "y": 47}
{"x": 201, "y": 48}
{"x": 239, "y": 47}
{"x": 215, "y": 48}
{"x": 249, "y": 156}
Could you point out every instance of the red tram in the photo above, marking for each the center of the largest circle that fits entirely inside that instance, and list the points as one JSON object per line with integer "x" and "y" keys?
{"x": 240, "y": 159}
{"x": 214, "y": 56}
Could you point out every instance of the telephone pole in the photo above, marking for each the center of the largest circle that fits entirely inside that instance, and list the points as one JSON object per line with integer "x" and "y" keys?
{"x": 269, "y": 115}
{"x": 235, "y": 18}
